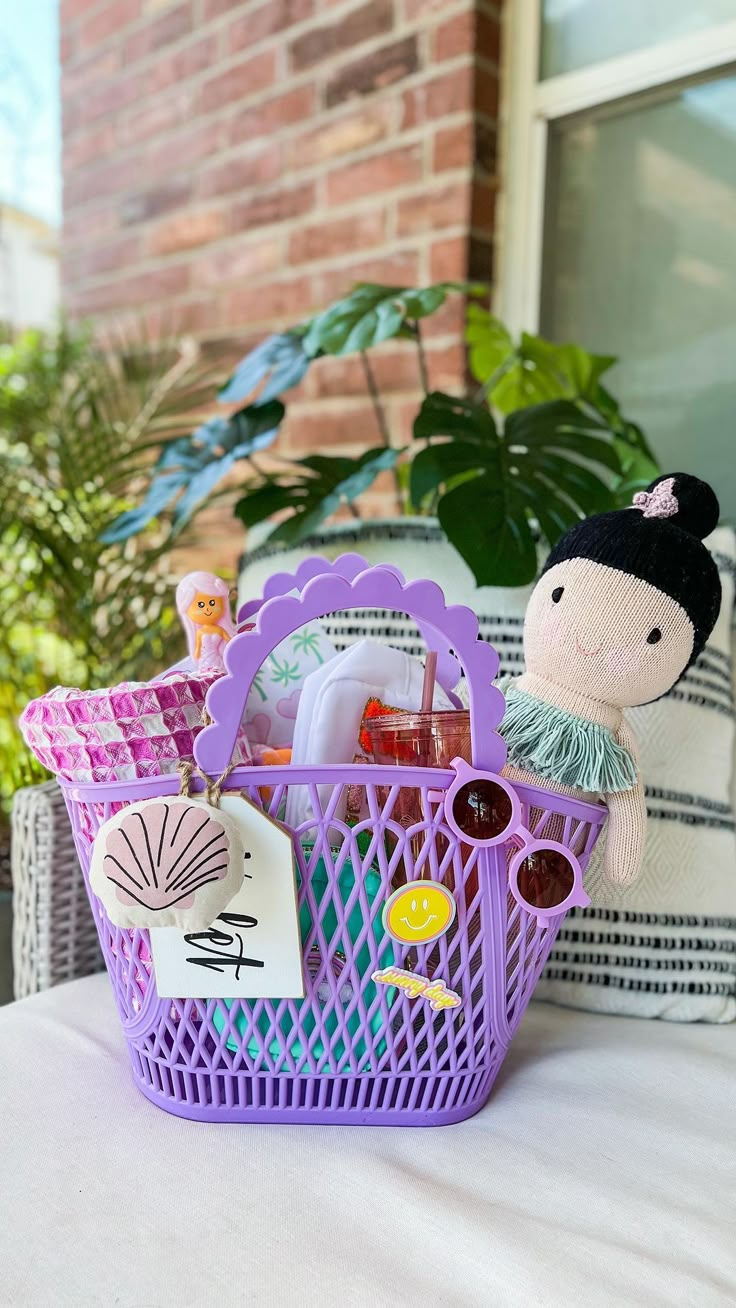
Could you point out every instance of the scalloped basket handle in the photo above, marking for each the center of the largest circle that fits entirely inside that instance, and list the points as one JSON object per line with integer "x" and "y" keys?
{"x": 350, "y": 565}
{"x": 282, "y": 583}
{"x": 456, "y": 626}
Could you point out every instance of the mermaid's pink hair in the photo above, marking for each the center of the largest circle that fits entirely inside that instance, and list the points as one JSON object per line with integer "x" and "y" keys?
{"x": 206, "y": 584}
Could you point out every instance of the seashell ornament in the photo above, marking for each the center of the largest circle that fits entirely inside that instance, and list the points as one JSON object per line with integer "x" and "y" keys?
{"x": 171, "y": 862}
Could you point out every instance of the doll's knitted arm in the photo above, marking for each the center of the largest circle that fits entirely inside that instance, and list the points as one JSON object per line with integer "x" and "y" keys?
{"x": 627, "y": 823}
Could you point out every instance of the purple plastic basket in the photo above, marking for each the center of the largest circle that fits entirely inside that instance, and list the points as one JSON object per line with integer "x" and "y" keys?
{"x": 352, "y": 1050}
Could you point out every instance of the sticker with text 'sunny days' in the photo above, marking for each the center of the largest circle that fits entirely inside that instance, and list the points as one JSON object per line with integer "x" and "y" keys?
{"x": 253, "y": 949}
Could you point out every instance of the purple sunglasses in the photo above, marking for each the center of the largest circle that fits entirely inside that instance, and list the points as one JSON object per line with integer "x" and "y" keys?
{"x": 482, "y": 809}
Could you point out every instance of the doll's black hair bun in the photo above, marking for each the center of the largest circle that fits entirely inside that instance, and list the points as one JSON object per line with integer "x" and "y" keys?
{"x": 661, "y": 544}
{"x": 697, "y": 509}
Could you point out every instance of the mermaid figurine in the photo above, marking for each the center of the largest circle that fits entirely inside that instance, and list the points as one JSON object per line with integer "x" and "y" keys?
{"x": 203, "y": 604}
{"x": 625, "y": 604}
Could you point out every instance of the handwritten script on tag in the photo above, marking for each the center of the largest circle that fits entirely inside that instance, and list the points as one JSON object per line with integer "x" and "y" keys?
{"x": 221, "y": 950}
{"x": 253, "y": 948}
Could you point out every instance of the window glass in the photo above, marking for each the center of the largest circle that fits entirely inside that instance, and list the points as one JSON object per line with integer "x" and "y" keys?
{"x": 640, "y": 261}
{"x": 580, "y": 32}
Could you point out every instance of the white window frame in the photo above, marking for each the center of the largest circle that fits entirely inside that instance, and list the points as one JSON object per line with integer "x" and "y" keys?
{"x": 530, "y": 106}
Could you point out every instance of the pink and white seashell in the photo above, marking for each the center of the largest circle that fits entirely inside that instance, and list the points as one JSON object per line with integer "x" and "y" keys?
{"x": 173, "y": 862}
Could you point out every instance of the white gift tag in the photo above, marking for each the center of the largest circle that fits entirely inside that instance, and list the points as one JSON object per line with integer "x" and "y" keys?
{"x": 253, "y": 948}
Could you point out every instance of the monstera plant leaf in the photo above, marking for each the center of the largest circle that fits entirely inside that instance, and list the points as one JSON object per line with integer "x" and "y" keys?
{"x": 552, "y": 464}
{"x": 531, "y": 372}
{"x": 280, "y": 361}
{"x": 638, "y": 470}
{"x": 488, "y": 524}
{"x": 318, "y": 486}
{"x": 372, "y": 313}
{"x": 490, "y": 343}
{"x": 189, "y": 468}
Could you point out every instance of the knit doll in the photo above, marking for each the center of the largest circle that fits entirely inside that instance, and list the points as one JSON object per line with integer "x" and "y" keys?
{"x": 625, "y": 604}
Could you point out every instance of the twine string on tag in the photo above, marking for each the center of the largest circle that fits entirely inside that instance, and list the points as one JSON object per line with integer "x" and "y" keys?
{"x": 212, "y": 786}
{"x": 213, "y": 789}
{"x": 185, "y": 769}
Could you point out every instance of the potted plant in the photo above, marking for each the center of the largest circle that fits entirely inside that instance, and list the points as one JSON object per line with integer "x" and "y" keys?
{"x": 535, "y": 443}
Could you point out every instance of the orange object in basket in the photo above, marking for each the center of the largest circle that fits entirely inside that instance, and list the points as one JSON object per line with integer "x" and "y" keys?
{"x": 375, "y": 708}
{"x": 274, "y": 758}
{"x": 271, "y": 758}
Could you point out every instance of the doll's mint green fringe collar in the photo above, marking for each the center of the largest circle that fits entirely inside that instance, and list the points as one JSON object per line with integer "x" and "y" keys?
{"x": 561, "y": 746}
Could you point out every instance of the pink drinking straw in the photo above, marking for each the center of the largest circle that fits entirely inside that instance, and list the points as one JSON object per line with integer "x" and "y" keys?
{"x": 430, "y": 672}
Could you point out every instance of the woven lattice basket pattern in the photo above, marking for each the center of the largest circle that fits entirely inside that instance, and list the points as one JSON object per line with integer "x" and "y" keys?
{"x": 352, "y": 1050}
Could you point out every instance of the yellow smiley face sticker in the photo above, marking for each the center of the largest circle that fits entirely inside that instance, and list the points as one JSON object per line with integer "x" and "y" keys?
{"x": 418, "y": 913}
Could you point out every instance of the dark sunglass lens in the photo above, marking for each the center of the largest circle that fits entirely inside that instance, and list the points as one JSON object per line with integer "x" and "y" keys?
{"x": 482, "y": 809}
{"x": 546, "y": 878}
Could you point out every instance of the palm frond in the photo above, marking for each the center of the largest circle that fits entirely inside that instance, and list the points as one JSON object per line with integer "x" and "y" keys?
{"x": 80, "y": 424}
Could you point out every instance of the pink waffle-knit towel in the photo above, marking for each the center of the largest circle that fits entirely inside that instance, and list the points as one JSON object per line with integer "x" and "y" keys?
{"x": 136, "y": 729}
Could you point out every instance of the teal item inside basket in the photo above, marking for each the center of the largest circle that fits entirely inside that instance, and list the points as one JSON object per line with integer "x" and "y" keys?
{"x": 345, "y": 886}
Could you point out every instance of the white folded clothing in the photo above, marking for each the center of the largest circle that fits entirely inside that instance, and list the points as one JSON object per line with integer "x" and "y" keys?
{"x": 332, "y": 704}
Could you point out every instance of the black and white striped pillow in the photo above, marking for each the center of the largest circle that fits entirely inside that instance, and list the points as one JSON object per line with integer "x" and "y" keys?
{"x": 666, "y": 947}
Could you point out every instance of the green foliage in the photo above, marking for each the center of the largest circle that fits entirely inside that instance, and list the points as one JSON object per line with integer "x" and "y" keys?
{"x": 372, "y": 314}
{"x": 189, "y": 468}
{"x": 280, "y": 362}
{"x": 546, "y": 466}
{"x": 76, "y": 426}
{"x": 638, "y": 469}
{"x": 316, "y": 488}
{"x": 541, "y": 444}
{"x": 532, "y": 371}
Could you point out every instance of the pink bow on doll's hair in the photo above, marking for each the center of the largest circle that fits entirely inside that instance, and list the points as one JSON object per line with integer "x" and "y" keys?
{"x": 660, "y": 502}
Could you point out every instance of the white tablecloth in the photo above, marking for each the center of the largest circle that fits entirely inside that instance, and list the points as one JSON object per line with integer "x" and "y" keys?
{"x": 602, "y": 1172}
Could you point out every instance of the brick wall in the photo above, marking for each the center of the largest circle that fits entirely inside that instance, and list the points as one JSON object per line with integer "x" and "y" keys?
{"x": 230, "y": 165}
